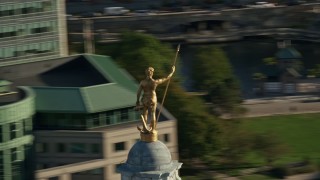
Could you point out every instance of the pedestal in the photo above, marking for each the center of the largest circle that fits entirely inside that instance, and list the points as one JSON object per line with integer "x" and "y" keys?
{"x": 149, "y": 136}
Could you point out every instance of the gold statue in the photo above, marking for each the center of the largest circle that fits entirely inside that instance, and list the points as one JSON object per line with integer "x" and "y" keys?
{"x": 149, "y": 99}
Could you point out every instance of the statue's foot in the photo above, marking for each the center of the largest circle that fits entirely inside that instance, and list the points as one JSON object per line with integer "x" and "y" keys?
{"x": 139, "y": 129}
{"x": 144, "y": 130}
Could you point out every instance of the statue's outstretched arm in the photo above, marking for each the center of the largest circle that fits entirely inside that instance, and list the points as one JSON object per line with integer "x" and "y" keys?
{"x": 162, "y": 80}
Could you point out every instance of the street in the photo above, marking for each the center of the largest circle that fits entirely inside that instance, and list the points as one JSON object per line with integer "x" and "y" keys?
{"x": 281, "y": 105}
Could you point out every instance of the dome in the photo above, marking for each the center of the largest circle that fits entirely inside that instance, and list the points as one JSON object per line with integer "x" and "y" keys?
{"x": 149, "y": 156}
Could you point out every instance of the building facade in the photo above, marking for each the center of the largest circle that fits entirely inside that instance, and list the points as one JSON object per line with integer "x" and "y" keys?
{"x": 85, "y": 122}
{"x": 32, "y": 30}
{"x": 16, "y": 139}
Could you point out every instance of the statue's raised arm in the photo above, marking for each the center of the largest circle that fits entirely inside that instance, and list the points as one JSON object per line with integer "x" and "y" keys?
{"x": 162, "y": 80}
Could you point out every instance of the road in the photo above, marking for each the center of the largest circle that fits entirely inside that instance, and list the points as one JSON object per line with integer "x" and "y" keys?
{"x": 281, "y": 105}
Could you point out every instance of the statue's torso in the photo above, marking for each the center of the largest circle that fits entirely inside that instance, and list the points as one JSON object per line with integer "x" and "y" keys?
{"x": 149, "y": 89}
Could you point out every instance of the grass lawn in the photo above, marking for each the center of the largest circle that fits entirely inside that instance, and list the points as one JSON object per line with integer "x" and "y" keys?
{"x": 301, "y": 133}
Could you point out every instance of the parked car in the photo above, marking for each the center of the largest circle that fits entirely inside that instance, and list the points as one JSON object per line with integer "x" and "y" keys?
{"x": 115, "y": 11}
{"x": 143, "y": 13}
{"x": 261, "y": 4}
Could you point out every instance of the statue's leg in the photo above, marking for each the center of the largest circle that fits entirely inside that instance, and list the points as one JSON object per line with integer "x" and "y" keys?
{"x": 145, "y": 116}
{"x": 153, "y": 117}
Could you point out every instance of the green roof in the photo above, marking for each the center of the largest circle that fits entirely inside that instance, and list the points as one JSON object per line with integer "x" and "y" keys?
{"x": 59, "y": 99}
{"x": 107, "y": 97}
{"x": 83, "y": 100}
{"x": 111, "y": 71}
{"x": 119, "y": 93}
{"x": 288, "y": 53}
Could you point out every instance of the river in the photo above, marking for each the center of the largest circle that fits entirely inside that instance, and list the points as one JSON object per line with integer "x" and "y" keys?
{"x": 246, "y": 58}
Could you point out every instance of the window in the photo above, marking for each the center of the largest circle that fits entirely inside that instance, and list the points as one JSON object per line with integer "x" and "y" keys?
{"x": 78, "y": 148}
{"x": 1, "y": 53}
{"x": 109, "y": 116}
{"x": 61, "y": 147}
{"x": 124, "y": 115}
{"x": 120, "y": 146}
{"x": 41, "y": 147}
{"x": 13, "y": 134}
{"x": 47, "y": 5}
{"x": 1, "y": 140}
{"x": 14, "y": 156}
{"x": 166, "y": 138}
{"x": 95, "y": 120}
{"x": 1, "y": 164}
{"x": 96, "y": 148}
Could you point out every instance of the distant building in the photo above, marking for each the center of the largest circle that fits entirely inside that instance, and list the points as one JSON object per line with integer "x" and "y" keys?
{"x": 33, "y": 30}
{"x": 281, "y": 76}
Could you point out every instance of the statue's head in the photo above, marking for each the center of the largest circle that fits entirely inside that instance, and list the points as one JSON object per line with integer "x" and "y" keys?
{"x": 149, "y": 71}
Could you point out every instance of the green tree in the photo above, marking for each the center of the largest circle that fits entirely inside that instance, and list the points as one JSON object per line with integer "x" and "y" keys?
{"x": 210, "y": 67}
{"x": 213, "y": 73}
{"x": 197, "y": 131}
{"x": 268, "y": 146}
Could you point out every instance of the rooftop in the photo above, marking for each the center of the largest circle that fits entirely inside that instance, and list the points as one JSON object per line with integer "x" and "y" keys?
{"x": 81, "y": 83}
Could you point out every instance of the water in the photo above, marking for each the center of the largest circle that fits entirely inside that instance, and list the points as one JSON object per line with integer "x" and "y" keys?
{"x": 247, "y": 57}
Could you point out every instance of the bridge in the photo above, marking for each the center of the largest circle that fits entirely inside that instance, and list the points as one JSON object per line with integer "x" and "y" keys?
{"x": 214, "y": 23}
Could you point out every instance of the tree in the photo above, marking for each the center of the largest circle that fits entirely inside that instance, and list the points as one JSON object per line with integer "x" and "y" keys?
{"x": 210, "y": 67}
{"x": 268, "y": 146}
{"x": 197, "y": 131}
{"x": 213, "y": 73}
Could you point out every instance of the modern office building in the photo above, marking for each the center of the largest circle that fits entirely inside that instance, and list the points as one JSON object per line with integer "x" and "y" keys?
{"x": 16, "y": 139}
{"x": 32, "y": 30}
{"x": 85, "y": 122}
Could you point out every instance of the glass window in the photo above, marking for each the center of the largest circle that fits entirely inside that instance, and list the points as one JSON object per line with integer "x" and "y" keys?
{"x": 4, "y": 11}
{"x": 29, "y": 8}
{"x": 96, "y": 148}
{"x": 41, "y": 147}
{"x": 11, "y": 10}
{"x": 120, "y": 146}
{"x": 95, "y": 120}
{"x": 1, "y": 51}
{"x": 78, "y": 148}
{"x": 17, "y": 8}
{"x": 13, "y": 131}
{"x": 1, "y": 134}
{"x": 61, "y": 147}
{"x": 14, "y": 156}
{"x": 124, "y": 115}
{"x": 166, "y": 138}
{"x": 37, "y": 7}
{"x": 109, "y": 116}
{"x": 47, "y": 5}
